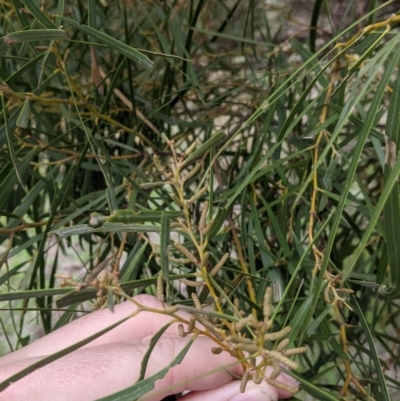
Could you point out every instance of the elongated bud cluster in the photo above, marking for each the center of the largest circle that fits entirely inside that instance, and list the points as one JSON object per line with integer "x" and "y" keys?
{"x": 207, "y": 228}
{"x": 176, "y": 200}
{"x": 246, "y": 321}
{"x": 196, "y": 301}
{"x": 278, "y": 384}
{"x": 185, "y": 252}
{"x": 219, "y": 265}
{"x": 199, "y": 194}
{"x": 160, "y": 287}
{"x": 257, "y": 378}
{"x": 236, "y": 310}
{"x": 207, "y": 324}
{"x": 294, "y": 351}
{"x": 280, "y": 357}
{"x": 191, "y": 148}
{"x": 203, "y": 217}
{"x": 267, "y": 304}
{"x": 191, "y": 283}
{"x": 192, "y": 172}
{"x": 283, "y": 344}
{"x": 276, "y": 369}
{"x": 277, "y": 335}
{"x": 245, "y": 379}
{"x": 159, "y": 167}
{"x": 240, "y": 340}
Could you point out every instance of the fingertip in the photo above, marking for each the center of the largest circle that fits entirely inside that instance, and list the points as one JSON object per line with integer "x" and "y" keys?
{"x": 149, "y": 301}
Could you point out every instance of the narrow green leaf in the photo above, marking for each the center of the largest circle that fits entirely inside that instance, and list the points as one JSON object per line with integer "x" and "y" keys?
{"x": 65, "y": 318}
{"x": 18, "y": 295}
{"x": 147, "y": 355}
{"x": 35, "y": 35}
{"x": 133, "y": 264}
{"x": 218, "y": 222}
{"x": 24, "y": 115}
{"x": 48, "y": 359}
{"x": 314, "y": 390}
{"x": 391, "y": 211}
{"x": 114, "y": 44}
{"x": 81, "y": 229}
{"x": 392, "y": 57}
{"x": 33, "y": 7}
{"x": 164, "y": 243}
{"x": 127, "y": 216}
{"x": 10, "y": 144}
{"x": 215, "y": 140}
{"x": 72, "y": 297}
{"x": 384, "y": 394}
{"x": 137, "y": 390}
{"x": 298, "y": 321}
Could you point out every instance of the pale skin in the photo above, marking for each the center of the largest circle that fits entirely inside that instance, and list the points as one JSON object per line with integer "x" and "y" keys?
{"x": 112, "y": 362}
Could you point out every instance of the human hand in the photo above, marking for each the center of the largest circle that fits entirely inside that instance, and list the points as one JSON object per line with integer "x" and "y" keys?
{"x": 112, "y": 362}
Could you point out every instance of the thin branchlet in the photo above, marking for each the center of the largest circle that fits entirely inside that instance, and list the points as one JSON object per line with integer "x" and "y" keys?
{"x": 176, "y": 200}
{"x": 240, "y": 340}
{"x": 171, "y": 309}
{"x": 210, "y": 327}
{"x": 205, "y": 259}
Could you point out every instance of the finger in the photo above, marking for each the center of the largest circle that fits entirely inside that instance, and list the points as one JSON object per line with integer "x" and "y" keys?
{"x": 231, "y": 392}
{"x": 94, "y": 372}
{"x": 253, "y": 392}
{"x": 141, "y": 325}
